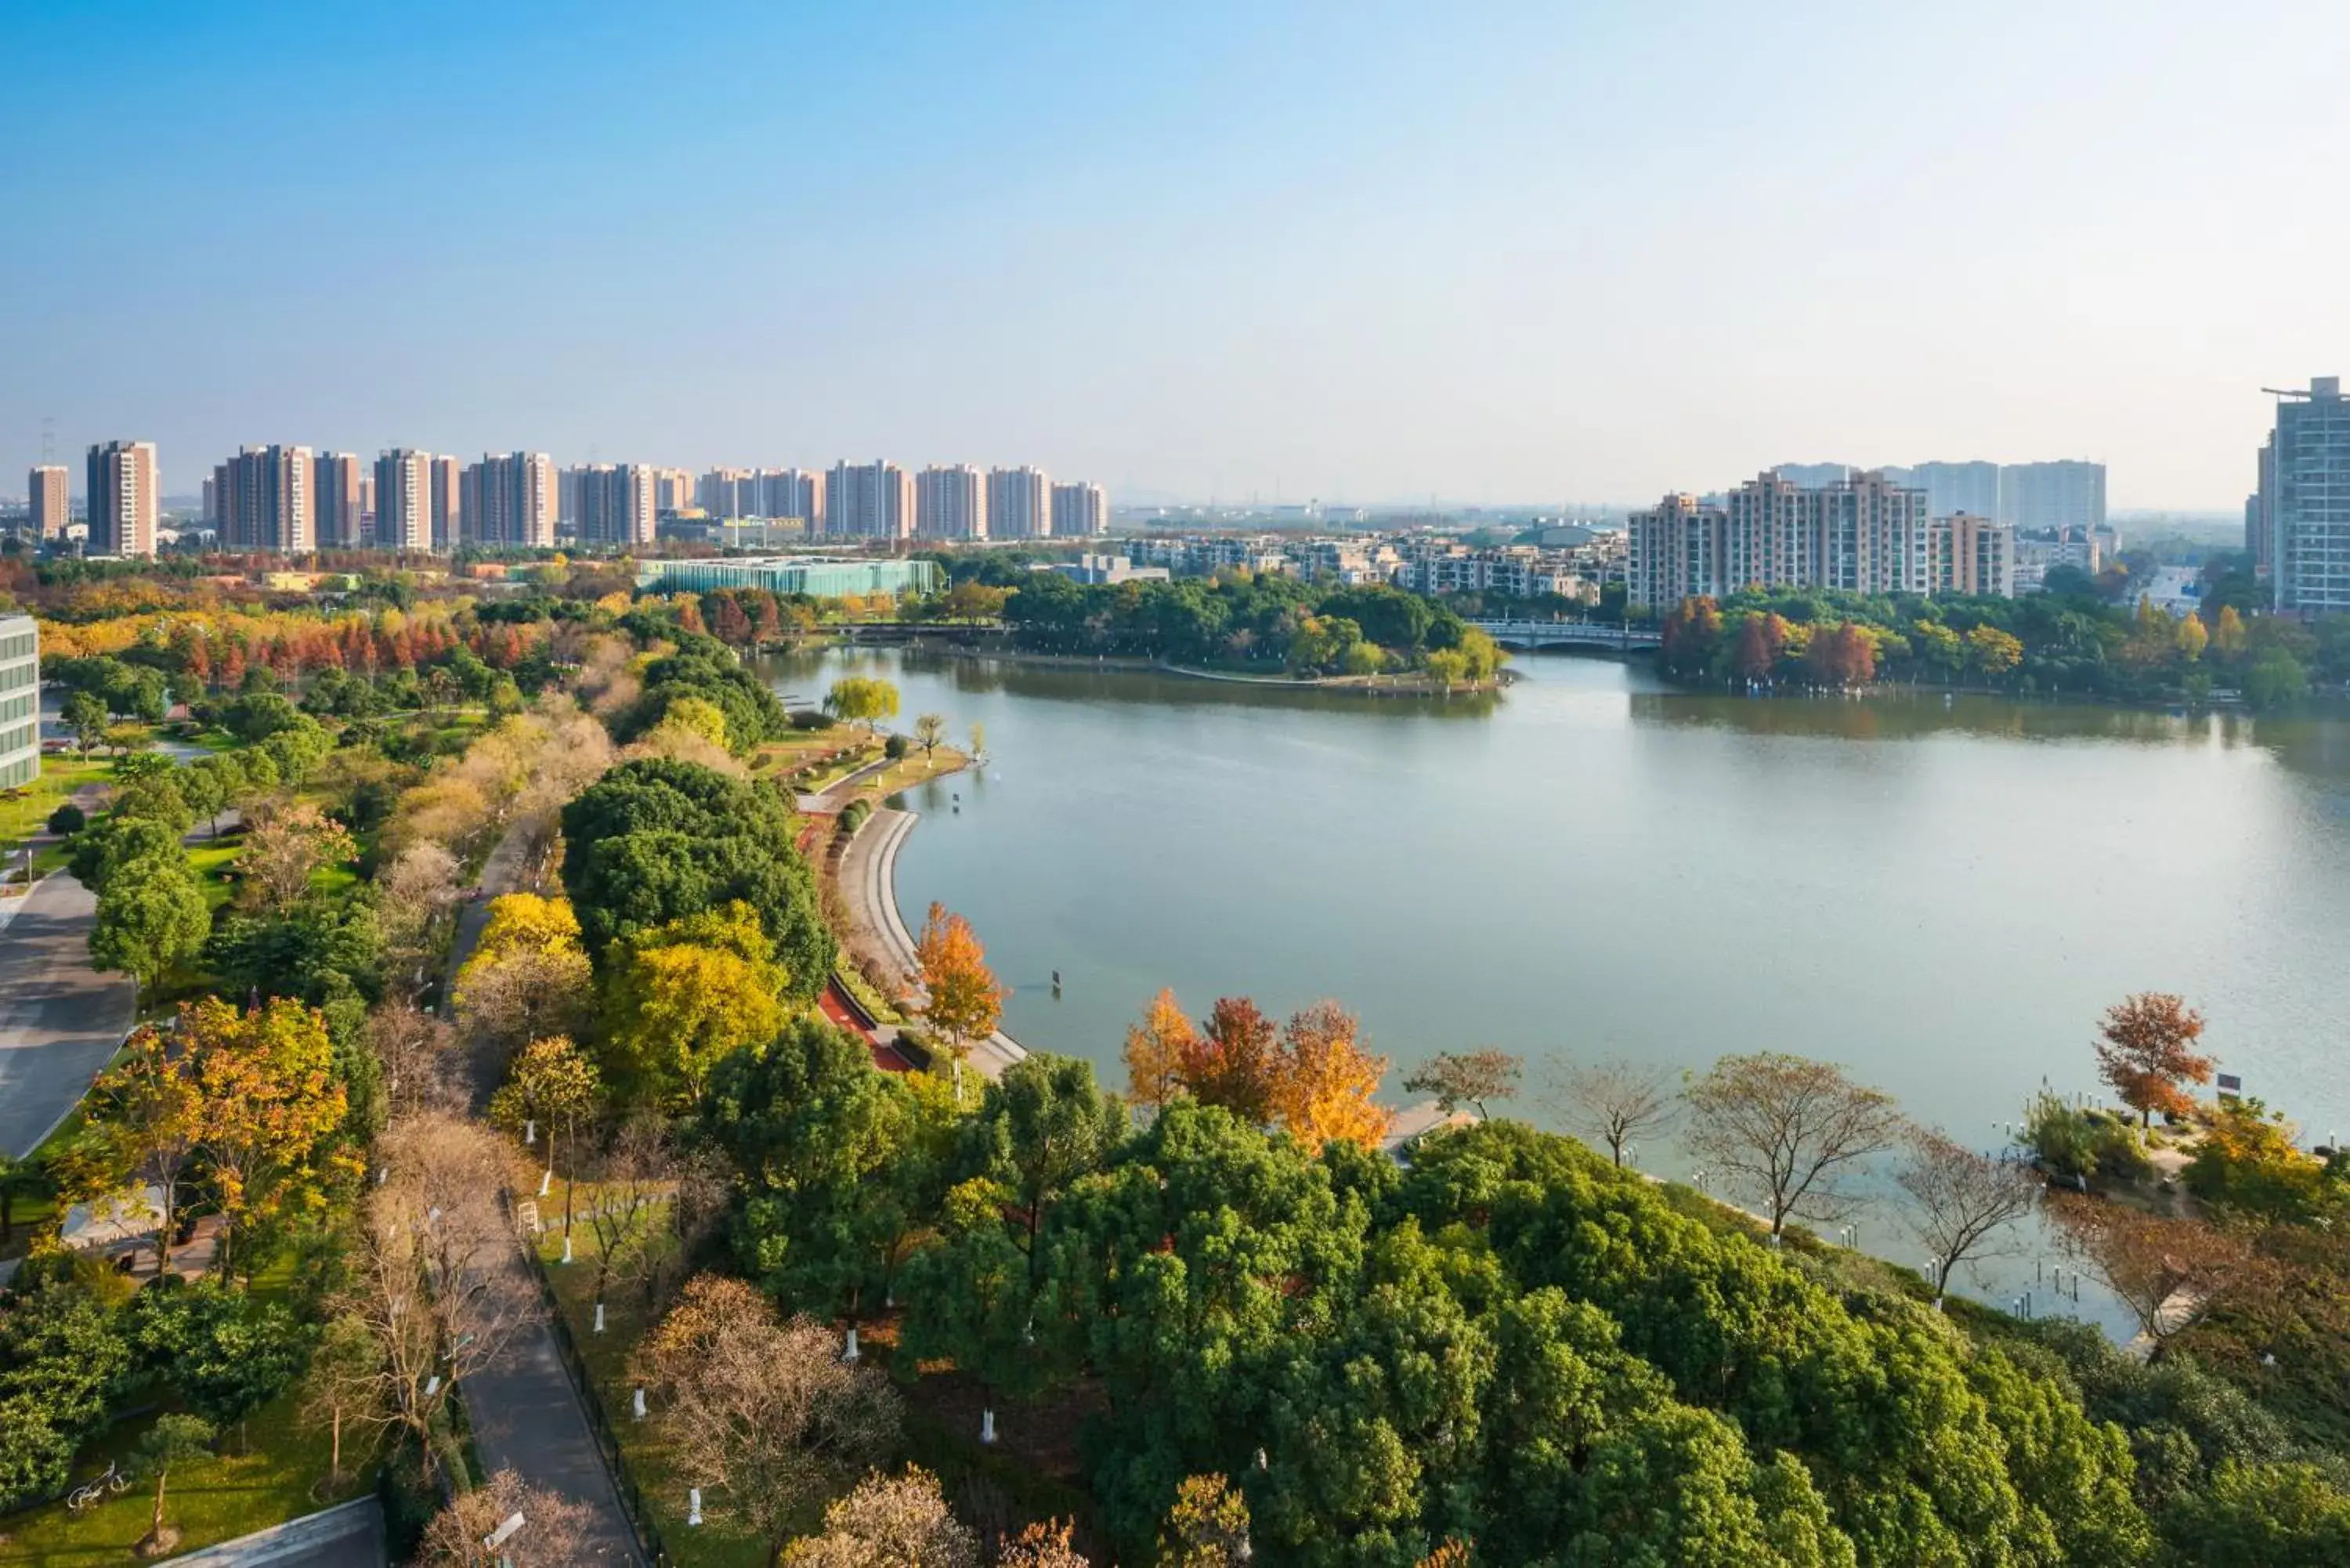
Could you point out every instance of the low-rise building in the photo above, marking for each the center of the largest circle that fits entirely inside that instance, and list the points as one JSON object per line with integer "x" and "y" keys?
{"x": 20, "y": 700}
{"x": 1107, "y": 570}
{"x": 819, "y": 576}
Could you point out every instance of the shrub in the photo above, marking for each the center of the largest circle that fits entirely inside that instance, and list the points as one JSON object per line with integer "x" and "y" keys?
{"x": 67, "y": 819}
{"x": 895, "y": 747}
{"x": 854, "y": 817}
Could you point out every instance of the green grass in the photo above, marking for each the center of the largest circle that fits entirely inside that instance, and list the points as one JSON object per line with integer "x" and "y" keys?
{"x": 25, "y": 813}
{"x": 216, "y": 1500}
{"x": 210, "y": 859}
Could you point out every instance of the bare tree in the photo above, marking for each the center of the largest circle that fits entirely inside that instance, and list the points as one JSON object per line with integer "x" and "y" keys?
{"x": 557, "y": 1531}
{"x": 419, "y": 892}
{"x": 1615, "y": 1103}
{"x": 342, "y": 1386}
{"x": 433, "y": 1276}
{"x": 1788, "y": 1132}
{"x": 899, "y": 1520}
{"x": 1963, "y": 1200}
{"x": 2169, "y": 1272}
{"x": 635, "y": 1176}
{"x": 1459, "y": 1078}
{"x": 418, "y": 1053}
{"x": 761, "y": 1411}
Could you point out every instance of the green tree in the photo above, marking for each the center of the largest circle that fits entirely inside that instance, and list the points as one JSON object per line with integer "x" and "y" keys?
{"x": 85, "y": 718}
{"x": 550, "y": 1082}
{"x": 2276, "y": 681}
{"x": 151, "y": 917}
{"x": 861, "y": 700}
{"x": 172, "y": 1441}
{"x": 2263, "y": 1516}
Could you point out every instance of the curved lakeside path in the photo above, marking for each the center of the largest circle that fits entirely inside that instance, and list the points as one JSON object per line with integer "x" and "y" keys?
{"x": 869, "y": 885}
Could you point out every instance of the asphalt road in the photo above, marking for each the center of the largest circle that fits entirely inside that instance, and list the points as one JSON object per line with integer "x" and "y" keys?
{"x": 61, "y": 1020}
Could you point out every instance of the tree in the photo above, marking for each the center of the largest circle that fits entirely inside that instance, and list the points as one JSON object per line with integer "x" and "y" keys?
{"x": 1323, "y": 1084}
{"x": 978, "y": 741}
{"x": 85, "y": 717}
{"x": 1617, "y": 1103}
{"x": 147, "y": 1128}
{"x": 2276, "y": 681}
{"x": 963, "y": 996}
{"x": 2228, "y": 634}
{"x": 174, "y": 1439}
{"x": 66, "y": 820}
{"x": 223, "y": 1351}
{"x": 1206, "y": 1528}
{"x": 550, "y": 1082}
{"x": 897, "y": 1522}
{"x": 270, "y": 1099}
{"x": 150, "y": 921}
{"x": 2170, "y": 1273}
{"x": 861, "y": 700}
{"x": 1994, "y": 651}
{"x": 1468, "y": 1078}
{"x": 528, "y": 978}
{"x": 1962, "y": 1200}
{"x": 929, "y": 729}
{"x": 419, "y": 889}
{"x": 1046, "y": 1544}
{"x": 683, "y": 996}
{"x": 558, "y": 1532}
{"x": 19, "y": 1178}
{"x": 342, "y": 1385}
{"x": 764, "y": 1411}
{"x": 1788, "y": 1131}
{"x": 2147, "y": 1052}
{"x": 284, "y": 846}
{"x": 415, "y": 1051}
{"x": 1233, "y": 1061}
{"x": 207, "y": 784}
{"x": 1154, "y": 1052}
{"x": 2251, "y": 1515}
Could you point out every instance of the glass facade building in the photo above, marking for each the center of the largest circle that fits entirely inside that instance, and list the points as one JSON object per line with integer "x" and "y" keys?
{"x": 20, "y": 701}
{"x": 819, "y": 576}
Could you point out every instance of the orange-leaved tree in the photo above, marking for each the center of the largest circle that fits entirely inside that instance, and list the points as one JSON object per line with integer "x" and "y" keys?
{"x": 965, "y": 998}
{"x": 2147, "y": 1051}
{"x": 271, "y": 1102}
{"x": 1154, "y": 1052}
{"x": 1324, "y": 1081}
{"x": 1232, "y": 1061}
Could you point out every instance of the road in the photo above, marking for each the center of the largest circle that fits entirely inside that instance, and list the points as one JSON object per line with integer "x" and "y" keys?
{"x": 61, "y": 1020}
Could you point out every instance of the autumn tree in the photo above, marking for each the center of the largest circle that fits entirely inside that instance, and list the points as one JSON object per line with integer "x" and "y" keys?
{"x": 284, "y": 846}
{"x": 557, "y": 1531}
{"x": 1206, "y": 1528}
{"x": 2147, "y": 1050}
{"x": 1960, "y": 1200}
{"x": 960, "y": 992}
{"x": 146, "y": 1127}
{"x": 1233, "y": 1061}
{"x": 341, "y": 1387}
{"x": 419, "y": 890}
{"x": 1788, "y": 1132}
{"x": 416, "y": 1052}
{"x": 897, "y": 1521}
{"x": 528, "y": 978}
{"x": 929, "y": 729}
{"x": 1458, "y": 1078}
{"x": 1993, "y": 651}
{"x": 1323, "y": 1084}
{"x": 682, "y": 996}
{"x": 1045, "y": 1544}
{"x": 553, "y": 1084}
{"x": 1615, "y": 1103}
{"x": 2169, "y": 1272}
{"x": 765, "y": 1412}
{"x": 270, "y": 1099}
{"x": 861, "y": 700}
{"x": 1156, "y": 1049}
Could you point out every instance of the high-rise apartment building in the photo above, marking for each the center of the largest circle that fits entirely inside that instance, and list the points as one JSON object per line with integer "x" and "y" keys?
{"x": 1079, "y": 511}
{"x": 263, "y": 500}
{"x": 868, "y": 501}
{"x": 1971, "y": 554}
{"x": 1811, "y": 475}
{"x": 403, "y": 500}
{"x": 793, "y": 493}
{"x": 2044, "y": 495}
{"x": 1019, "y": 503}
{"x": 1872, "y": 535}
{"x": 617, "y": 504}
{"x": 951, "y": 503}
{"x": 726, "y": 493}
{"x": 1953, "y": 487}
{"x": 1675, "y": 552}
{"x": 51, "y": 490}
{"x": 2305, "y": 500}
{"x": 20, "y": 700}
{"x": 509, "y": 501}
{"x": 338, "y": 501}
{"x": 1768, "y": 536}
{"x": 676, "y": 493}
{"x": 448, "y": 507}
{"x": 125, "y": 498}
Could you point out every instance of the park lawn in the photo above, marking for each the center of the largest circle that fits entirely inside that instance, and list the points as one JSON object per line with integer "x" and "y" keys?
{"x": 713, "y": 1545}
{"x": 26, "y": 811}
{"x": 210, "y": 859}
{"x": 216, "y": 1500}
{"x": 914, "y": 768}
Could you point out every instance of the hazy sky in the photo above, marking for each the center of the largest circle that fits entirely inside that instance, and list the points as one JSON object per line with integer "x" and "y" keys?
{"x": 1354, "y": 251}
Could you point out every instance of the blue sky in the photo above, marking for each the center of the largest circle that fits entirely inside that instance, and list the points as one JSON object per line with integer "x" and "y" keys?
{"x": 1547, "y": 252}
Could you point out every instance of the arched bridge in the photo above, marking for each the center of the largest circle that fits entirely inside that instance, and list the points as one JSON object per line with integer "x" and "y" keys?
{"x": 1534, "y": 634}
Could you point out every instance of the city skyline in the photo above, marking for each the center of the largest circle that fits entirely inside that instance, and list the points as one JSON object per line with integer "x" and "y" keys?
{"x": 1531, "y": 288}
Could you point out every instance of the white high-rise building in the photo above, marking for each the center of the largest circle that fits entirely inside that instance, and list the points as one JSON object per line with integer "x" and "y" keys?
{"x": 1079, "y": 511}
{"x": 125, "y": 498}
{"x": 1019, "y": 503}
{"x": 404, "y": 499}
{"x": 509, "y": 501}
{"x": 951, "y": 504}
{"x": 2305, "y": 500}
{"x": 868, "y": 501}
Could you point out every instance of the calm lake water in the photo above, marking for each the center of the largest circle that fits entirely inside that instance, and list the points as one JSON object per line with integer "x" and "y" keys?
{"x": 1942, "y": 897}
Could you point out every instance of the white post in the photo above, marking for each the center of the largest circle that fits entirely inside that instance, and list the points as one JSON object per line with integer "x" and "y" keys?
{"x": 851, "y": 1353}
{"x": 566, "y": 1249}
{"x": 693, "y": 1506}
{"x": 529, "y": 1133}
{"x": 987, "y": 1426}
{"x": 432, "y": 1386}
{"x": 599, "y": 1317}
{"x": 546, "y": 1180}
{"x": 639, "y": 1404}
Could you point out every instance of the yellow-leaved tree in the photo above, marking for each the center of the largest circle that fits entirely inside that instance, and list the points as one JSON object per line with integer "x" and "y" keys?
{"x": 270, "y": 1103}
{"x": 1325, "y": 1080}
{"x": 684, "y": 994}
{"x": 1156, "y": 1050}
{"x": 527, "y": 979}
{"x": 964, "y": 999}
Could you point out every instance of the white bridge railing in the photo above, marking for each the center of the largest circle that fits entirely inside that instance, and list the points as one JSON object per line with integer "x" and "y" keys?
{"x": 1553, "y": 633}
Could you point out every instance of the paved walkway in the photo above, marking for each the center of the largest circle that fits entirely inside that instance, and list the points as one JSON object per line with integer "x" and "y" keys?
{"x": 348, "y": 1536}
{"x": 61, "y": 1020}
{"x": 525, "y": 1412}
{"x": 869, "y": 885}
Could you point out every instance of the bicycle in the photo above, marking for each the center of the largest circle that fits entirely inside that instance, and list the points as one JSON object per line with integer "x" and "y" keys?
{"x": 92, "y": 1492}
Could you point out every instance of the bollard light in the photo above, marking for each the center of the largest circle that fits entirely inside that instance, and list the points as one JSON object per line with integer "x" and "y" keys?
{"x": 529, "y": 1133}
{"x": 851, "y": 1352}
{"x": 693, "y": 1506}
{"x": 639, "y": 1404}
{"x": 566, "y": 1249}
{"x": 599, "y": 1317}
{"x": 987, "y": 1426}
{"x": 545, "y": 1181}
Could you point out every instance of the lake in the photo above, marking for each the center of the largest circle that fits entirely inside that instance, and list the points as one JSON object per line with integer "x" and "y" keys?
{"x": 1942, "y": 897}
